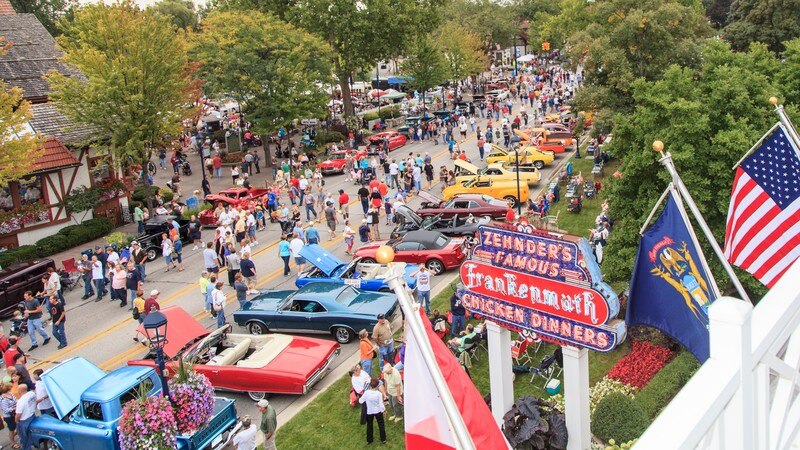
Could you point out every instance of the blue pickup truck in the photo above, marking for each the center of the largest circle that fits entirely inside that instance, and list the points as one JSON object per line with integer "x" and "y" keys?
{"x": 88, "y": 403}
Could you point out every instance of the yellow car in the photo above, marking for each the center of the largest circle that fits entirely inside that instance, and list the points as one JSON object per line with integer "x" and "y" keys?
{"x": 466, "y": 172}
{"x": 506, "y": 190}
{"x": 528, "y": 155}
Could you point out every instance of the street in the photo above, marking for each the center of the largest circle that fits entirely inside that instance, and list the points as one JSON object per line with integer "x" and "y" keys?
{"x": 102, "y": 331}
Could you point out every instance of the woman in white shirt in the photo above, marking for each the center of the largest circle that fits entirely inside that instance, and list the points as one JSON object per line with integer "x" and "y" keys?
{"x": 166, "y": 251}
{"x": 373, "y": 398}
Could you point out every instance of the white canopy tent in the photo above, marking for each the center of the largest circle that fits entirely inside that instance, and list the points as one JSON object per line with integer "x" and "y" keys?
{"x": 526, "y": 58}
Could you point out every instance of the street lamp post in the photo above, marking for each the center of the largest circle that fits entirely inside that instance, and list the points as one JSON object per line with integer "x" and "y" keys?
{"x": 516, "y": 73}
{"x": 378, "y": 85}
{"x": 155, "y": 327}
{"x": 515, "y": 145}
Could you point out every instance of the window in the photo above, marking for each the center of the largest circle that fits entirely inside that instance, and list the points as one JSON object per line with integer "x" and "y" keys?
{"x": 408, "y": 246}
{"x": 101, "y": 170}
{"x": 473, "y": 205}
{"x": 313, "y": 307}
{"x": 346, "y": 296}
{"x": 30, "y": 190}
{"x": 6, "y": 201}
{"x": 93, "y": 411}
{"x": 441, "y": 241}
{"x": 133, "y": 393}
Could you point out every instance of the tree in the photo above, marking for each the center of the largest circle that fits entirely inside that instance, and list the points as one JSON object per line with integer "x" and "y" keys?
{"x": 18, "y": 148}
{"x": 769, "y": 21}
{"x": 788, "y": 77}
{"x": 462, "y": 49}
{"x": 364, "y": 32}
{"x": 707, "y": 118}
{"x": 49, "y": 12}
{"x": 137, "y": 78}
{"x": 493, "y": 22}
{"x": 180, "y": 12}
{"x": 425, "y": 66}
{"x": 273, "y": 69}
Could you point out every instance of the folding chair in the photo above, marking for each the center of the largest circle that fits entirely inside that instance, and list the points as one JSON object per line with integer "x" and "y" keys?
{"x": 548, "y": 369}
{"x": 74, "y": 277}
{"x": 551, "y": 222}
{"x": 519, "y": 352}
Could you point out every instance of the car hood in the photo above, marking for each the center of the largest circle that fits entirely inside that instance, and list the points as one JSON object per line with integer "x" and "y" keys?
{"x": 321, "y": 258}
{"x": 267, "y": 301}
{"x": 67, "y": 381}
{"x": 302, "y": 357}
{"x": 428, "y": 197}
{"x": 466, "y": 167}
{"x": 409, "y": 215}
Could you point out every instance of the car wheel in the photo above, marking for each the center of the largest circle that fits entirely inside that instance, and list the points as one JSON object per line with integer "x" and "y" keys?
{"x": 343, "y": 335}
{"x": 47, "y": 444}
{"x": 152, "y": 254}
{"x": 538, "y": 164}
{"x": 512, "y": 201}
{"x": 436, "y": 266}
{"x": 257, "y": 328}
{"x": 256, "y": 396}
{"x": 368, "y": 260}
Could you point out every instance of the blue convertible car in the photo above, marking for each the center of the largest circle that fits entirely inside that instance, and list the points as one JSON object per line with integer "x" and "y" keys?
{"x": 324, "y": 308}
{"x": 328, "y": 268}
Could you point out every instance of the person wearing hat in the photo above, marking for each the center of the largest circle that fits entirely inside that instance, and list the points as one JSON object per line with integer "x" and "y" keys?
{"x": 383, "y": 336}
{"x": 269, "y": 423}
{"x": 245, "y": 438}
{"x": 394, "y": 392}
{"x": 139, "y": 257}
{"x": 85, "y": 268}
{"x": 151, "y": 303}
{"x": 344, "y": 204}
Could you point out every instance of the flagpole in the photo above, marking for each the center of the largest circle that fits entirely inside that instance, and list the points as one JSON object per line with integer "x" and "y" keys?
{"x": 666, "y": 161}
{"x": 787, "y": 124}
{"x": 414, "y": 323}
{"x": 754, "y": 147}
{"x": 653, "y": 211}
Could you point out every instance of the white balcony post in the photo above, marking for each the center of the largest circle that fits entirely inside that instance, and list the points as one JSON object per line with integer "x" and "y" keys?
{"x": 501, "y": 376}
{"x": 576, "y": 397}
{"x": 730, "y": 344}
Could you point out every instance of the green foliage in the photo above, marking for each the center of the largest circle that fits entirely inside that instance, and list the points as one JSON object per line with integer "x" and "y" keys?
{"x": 462, "y": 49}
{"x": 371, "y": 116}
{"x": 73, "y": 235}
{"x": 270, "y": 67}
{"x": 492, "y": 22}
{"x": 180, "y": 12}
{"x": 119, "y": 239}
{"x": 139, "y": 193}
{"x": 391, "y": 112}
{"x": 48, "y": 12}
{"x": 137, "y": 82}
{"x": 788, "y": 79}
{"x": 618, "y": 417}
{"x": 769, "y": 21}
{"x": 328, "y": 136}
{"x": 362, "y": 35}
{"x": 425, "y": 66}
{"x": 166, "y": 194}
{"x": 667, "y": 382}
{"x": 705, "y": 142}
{"x": 18, "y": 254}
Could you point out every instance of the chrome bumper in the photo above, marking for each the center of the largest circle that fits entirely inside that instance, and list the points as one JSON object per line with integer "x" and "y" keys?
{"x": 321, "y": 372}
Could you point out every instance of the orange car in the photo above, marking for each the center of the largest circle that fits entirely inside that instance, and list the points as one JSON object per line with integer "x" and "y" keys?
{"x": 555, "y": 146}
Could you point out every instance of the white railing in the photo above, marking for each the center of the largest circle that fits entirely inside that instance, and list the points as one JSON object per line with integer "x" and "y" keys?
{"x": 746, "y": 395}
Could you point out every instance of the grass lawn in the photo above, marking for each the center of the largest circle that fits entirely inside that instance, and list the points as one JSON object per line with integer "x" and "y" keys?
{"x": 329, "y": 422}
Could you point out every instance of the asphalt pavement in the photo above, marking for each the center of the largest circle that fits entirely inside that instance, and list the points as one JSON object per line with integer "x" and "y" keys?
{"x": 102, "y": 331}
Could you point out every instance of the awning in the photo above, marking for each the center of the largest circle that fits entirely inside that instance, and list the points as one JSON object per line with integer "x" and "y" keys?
{"x": 394, "y": 96}
{"x": 398, "y": 80}
{"x": 526, "y": 58}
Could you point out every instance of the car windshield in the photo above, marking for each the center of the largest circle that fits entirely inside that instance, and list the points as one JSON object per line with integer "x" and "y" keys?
{"x": 337, "y": 156}
{"x": 441, "y": 241}
{"x": 346, "y": 296}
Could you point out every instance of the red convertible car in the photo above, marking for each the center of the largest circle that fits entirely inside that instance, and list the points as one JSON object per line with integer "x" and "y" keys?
{"x": 462, "y": 205}
{"x": 258, "y": 365}
{"x": 337, "y": 160}
{"x": 396, "y": 140}
{"x": 431, "y": 248}
{"x": 234, "y": 197}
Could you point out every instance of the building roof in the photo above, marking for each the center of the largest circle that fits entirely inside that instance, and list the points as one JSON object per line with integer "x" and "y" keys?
{"x": 32, "y": 55}
{"x": 49, "y": 121}
{"x": 55, "y": 156}
{"x": 6, "y": 8}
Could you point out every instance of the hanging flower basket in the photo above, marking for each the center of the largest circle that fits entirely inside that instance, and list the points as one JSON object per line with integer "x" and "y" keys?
{"x": 192, "y": 398}
{"x": 15, "y": 219}
{"x": 147, "y": 422}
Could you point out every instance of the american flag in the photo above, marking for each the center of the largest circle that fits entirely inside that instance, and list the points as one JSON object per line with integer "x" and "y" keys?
{"x": 762, "y": 235}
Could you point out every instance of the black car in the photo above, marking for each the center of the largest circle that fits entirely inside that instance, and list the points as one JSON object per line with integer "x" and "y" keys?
{"x": 408, "y": 220}
{"x": 150, "y": 240}
{"x": 18, "y": 278}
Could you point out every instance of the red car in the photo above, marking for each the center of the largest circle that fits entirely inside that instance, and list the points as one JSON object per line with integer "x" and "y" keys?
{"x": 396, "y": 140}
{"x": 258, "y": 365}
{"x": 431, "y": 248}
{"x": 337, "y": 160}
{"x": 237, "y": 196}
{"x": 462, "y": 205}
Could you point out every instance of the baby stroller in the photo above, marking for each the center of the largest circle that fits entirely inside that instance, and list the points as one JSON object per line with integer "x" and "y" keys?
{"x": 575, "y": 205}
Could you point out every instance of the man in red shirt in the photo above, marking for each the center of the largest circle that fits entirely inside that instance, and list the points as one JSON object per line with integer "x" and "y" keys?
{"x": 383, "y": 188}
{"x": 217, "y": 166}
{"x": 510, "y": 216}
{"x": 151, "y": 303}
{"x": 373, "y": 184}
{"x": 462, "y": 156}
{"x": 13, "y": 349}
{"x": 344, "y": 204}
{"x": 294, "y": 181}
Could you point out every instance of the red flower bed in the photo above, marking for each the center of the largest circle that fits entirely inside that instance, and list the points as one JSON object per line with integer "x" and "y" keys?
{"x": 641, "y": 364}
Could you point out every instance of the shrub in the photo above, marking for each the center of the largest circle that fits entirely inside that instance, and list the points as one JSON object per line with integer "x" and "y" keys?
{"x": 138, "y": 193}
{"x": 326, "y": 137}
{"x": 166, "y": 194}
{"x": 371, "y": 116}
{"x": 17, "y": 254}
{"x": 534, "y": 423}
{"x": 597, "y": 392}
{"x": 389, "y": 112}
{"x": 119, "y": 239}
{"x": 639, "y": 366}
{"x": 667, "y": 382}
{"x": 618, "y": 417}
{"x": 652, "y": 335}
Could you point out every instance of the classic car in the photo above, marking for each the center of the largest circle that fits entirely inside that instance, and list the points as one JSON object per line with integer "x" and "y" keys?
{"x": 237, "y": 196}
{"x": 555, "y": 127}
{"x": 324, "y": 308}
{"x": 375, "y": 142}
{"x": 536, "y": 138}
{"x": 466, "y": 171}
{"x": 327, "y": 268}
{"x": 508, "y": 190}
{"x": 18, "y": 278}
{"x": 337, "y": 160}
{"x": 498, "y": 94}
{"x": 455, "y": 226}
{"x": 463, "y": 204}
{"x": 257, "y": 365}
{"x": 88, "y": 403}
{"x": 414, "y": 121}
{"x": 431, "y": 248}
{"x": 553, "y": 136}
{"x": 527, "y": 156}
{"x": 150, "y": 239}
